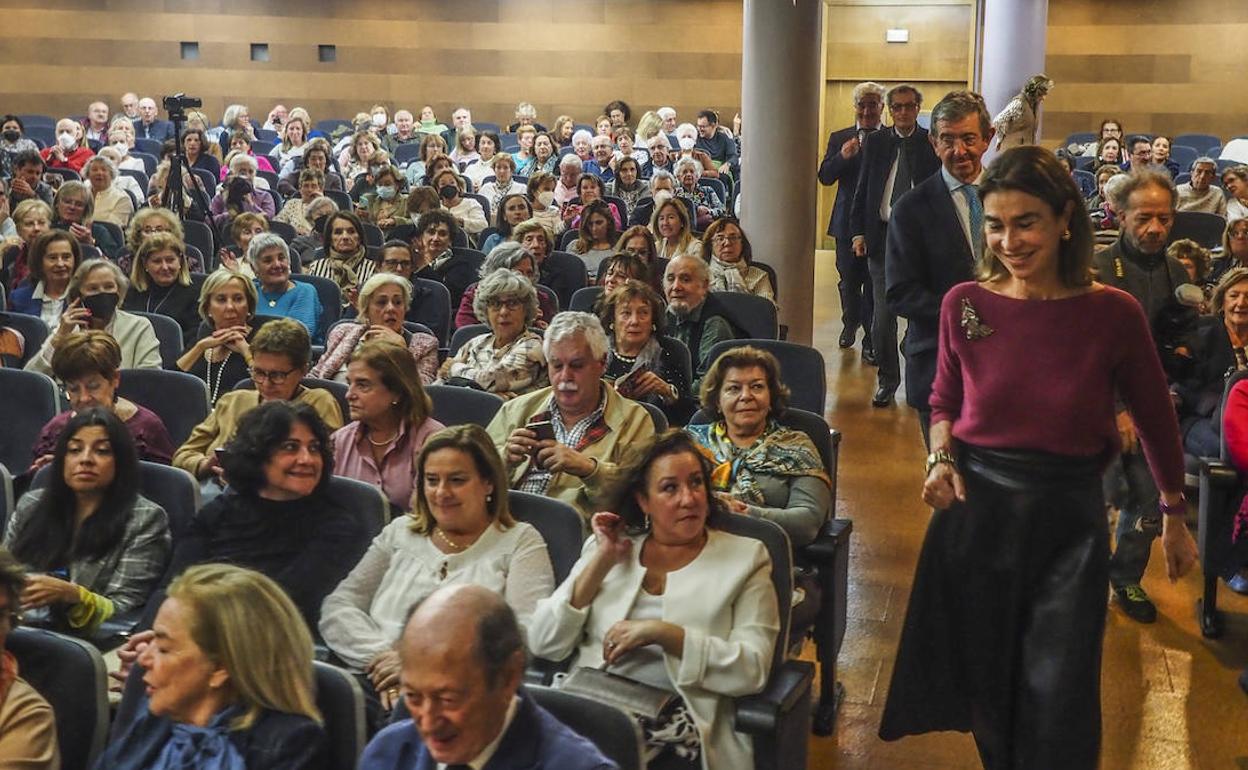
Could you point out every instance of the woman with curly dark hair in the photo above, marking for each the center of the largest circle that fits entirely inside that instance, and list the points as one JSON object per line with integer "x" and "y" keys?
{"x": 278, "y": 516}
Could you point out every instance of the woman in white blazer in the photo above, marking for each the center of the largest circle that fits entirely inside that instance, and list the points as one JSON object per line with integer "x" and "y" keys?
{"x": 663, "y": 597}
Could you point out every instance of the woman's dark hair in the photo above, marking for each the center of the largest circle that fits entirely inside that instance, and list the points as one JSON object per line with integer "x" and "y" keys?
{"x": 712, "y": 230}
{"x": 51, "y": 543}
{"x": 436, "y": 217}
{"x": 13, "y": 119}
{"x": 602, "y": 190}
{"x": 260, "y": 432}
{"x": 622, "y": 106}
{"x": 493, "y": 137}
{"x": 635, "y": 266}
{"x": 585, "y": 241}
{"x": 39, "y": 247}
{"x": 620, "y": 165}
{"x": 203, "y": 143}
{"x": 1035, "y": 171}
{"x": 743, "y": 357}
{"x": 632, "y": 479}
{"x": 350, "y": 216}
{"x": 631, "y": 290}
{"x": 500, "y": 219}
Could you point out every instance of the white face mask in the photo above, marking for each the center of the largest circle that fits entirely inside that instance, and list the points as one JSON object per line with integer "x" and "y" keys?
{"x": 545, "y": 198}
{"x": 121, "y": 147}
{"x": 379, "y": 120}
{"x": 660, "y": 196}
{"x": 687, "y": 142}
{"x": 66, "y": 140}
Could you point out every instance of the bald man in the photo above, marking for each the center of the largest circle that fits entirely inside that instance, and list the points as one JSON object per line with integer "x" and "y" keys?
{"x": 462, "y": 656}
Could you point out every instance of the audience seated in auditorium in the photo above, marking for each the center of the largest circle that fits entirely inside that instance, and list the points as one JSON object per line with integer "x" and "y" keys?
{"x": 509, "y": 256}
{"x": 278, "y": 516}
{"x": 706, "y": 201}
{"x": 504, "y": 183}
{"x": 95, "y": 295}
{"x": 626, "y": 148}
{"x": 466, "y": 639}
{"x": 385, "y": 206}
{"x": 716, "y": 143}
{"x": 488, "y": 148}
{"x": 27, "y": 723}
{"x": 465, "y": 151}
{"x": 315, "y": 213}
{"x": 467, "y": 211}
{"x": 564, "y": 127}
{"x": 239, "y": 195}
{"x": 511, "y": 210}
{"x": 695, "y": 316}
{"x": 160, "y": 282}
{"x": 1200, "y": 194}
{"x": 545, "y": 159}
{"x": 404, "y": 132}
{"x": 109, "y": 203}
{"x": 1109, "y": 151}
{"x": 98, "y": 546}
{"x": 570, "y": 168}
{"x": 763, "y": 469}
{"x": 278, "y": 295}
{"x": 123, "y": 182}
{"x": 88, "y": 368}
{"x": 730, "y": 256}
{"x": 149, "y": 125}
{"x": 151, "y": 221}
{"x": 1161, "y": 155}
{"x": 661, "y": 156}
{"x": 638, "y": 365}
{"x": 662, "y": 596}
{"x": 198, "y": 153}
{"x": 355, "y": 160}
{"x": 686, "y": 140}
{"x": 31, "y": 218}
{"x": 541, "y": 193}
{"x": 70, "y": 150}
{"x": 1197, "y": 261}
{"x": 229, "y": 684}
{"x": 316, "y": 157}
{"x": 121, "y": 138}
{"x": 567, "y": 440}
{"x": 381, "y": 310}
{"x": 227, "y": 304}
{"x": 508, "y": 360}
{"x": 345, "y": 259}
{"x": 196, "y": 198}
{"x": 73, "y": 211}
{"x": 628, "y": 185}
{"x": 601, "y": 164}
{"x": 27, "y": 181}
{"x": 1234, "y": 248}
{"x": 620, "y": 268}
{"x": 598, "y": 234}
{"x": 1235, "y": 180}
{"x": 1140, "y": 154}
{"x": 672, "y": 230}
{"x": 278, "y": 360}
{"x": 294, "y": 136}
{"x": 390, "y": 421}
{"x": 460, "y": 531}
{"x": 438, "y": 260}
{"x": 589, "y": 188}
{"x": 294, "y": 212}
{"x": 240, "y": 144}
{"x": 53, "y": 258}
{"x": 12, "y": 143}
{"x": 1217, "y": 349}
{"x": 639, "y": 242}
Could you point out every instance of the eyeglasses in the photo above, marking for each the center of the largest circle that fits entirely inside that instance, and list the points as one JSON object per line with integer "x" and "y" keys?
{"x": 150, "y": 230}
{"x": 396, "y": 264}
{"x": 273, "y": 376}
{"x": 510, "y": 303}
{"x": 727, "y": 240}
{"x": 903, "y": 106}
{"x": 92, "y": 387}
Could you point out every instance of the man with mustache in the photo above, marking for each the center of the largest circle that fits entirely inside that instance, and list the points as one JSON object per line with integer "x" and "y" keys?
{"x": 935, "y": 237}
{"x": 1137, "y": 263}
{"x": 567, "y": 440}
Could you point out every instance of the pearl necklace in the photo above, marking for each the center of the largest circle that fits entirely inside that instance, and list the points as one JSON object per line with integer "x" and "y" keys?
{"x": 215, "y": 390}
{"x": 442, "y": 536}
{"x": 387, "y": 442}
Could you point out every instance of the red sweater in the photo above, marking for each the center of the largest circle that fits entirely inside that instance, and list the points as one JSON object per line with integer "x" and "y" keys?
{"x": 74, "y": 160}
{"x": 1047, "y": 377}
{"x": 1235, "y": 426}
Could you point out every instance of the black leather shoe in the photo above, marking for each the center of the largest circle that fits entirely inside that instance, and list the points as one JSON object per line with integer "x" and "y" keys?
{"x": 847, "y": 339}
{"x": 1135, "y": 603}
{"x": 868, "y": 356}
{"x": 883, "y": 397}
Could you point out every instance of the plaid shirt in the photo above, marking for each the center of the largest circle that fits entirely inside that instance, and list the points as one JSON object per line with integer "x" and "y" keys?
{"x": 584, "y": 432}
{"x": 516, "y": 368}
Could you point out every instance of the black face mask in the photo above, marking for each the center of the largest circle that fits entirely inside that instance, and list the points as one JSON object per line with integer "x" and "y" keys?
{"x": 102, "y": 306}
{"x": 448, "y": 191}
{"x": 318, "y": 225}
{"x": 12, "y": 136}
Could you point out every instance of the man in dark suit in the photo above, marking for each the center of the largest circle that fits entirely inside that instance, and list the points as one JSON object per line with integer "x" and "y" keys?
{"x": 893, "y": 162}
{"x": 840, "y": 166}
{"x": 461, "y": 661}
{"x": 148, "y": 125}
{"x": 935, "y": 236}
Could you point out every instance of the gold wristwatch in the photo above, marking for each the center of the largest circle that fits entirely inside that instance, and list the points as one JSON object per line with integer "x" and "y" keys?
{"x": 938, "y": 457}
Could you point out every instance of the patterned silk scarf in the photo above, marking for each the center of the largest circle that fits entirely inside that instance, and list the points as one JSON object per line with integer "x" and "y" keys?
{"x": 780, "y": 451}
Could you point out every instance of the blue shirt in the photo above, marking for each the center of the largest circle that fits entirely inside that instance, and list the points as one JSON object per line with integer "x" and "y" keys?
{"x": 299, "y": 302}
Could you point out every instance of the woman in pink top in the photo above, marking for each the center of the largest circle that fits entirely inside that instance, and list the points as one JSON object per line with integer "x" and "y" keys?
{"x": 390, "y": 420}
{"x": 1003, "y": 633}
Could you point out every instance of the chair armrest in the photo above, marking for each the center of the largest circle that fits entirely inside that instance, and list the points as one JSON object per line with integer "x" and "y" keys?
{"x": 828, "y": 542}
{"x": 542, "y": 672}
{"x": 1218, "y": 472}
{"x": 762, "y": 713}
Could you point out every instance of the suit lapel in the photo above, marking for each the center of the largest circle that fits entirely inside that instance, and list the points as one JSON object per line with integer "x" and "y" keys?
{"x": 518, "y": 750}
{"x": 945, "y": 211}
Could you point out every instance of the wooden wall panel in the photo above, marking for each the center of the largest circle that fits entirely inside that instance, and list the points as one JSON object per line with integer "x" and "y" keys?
{"x": 1161, "y": 66}
{"x": 568, "y": 56}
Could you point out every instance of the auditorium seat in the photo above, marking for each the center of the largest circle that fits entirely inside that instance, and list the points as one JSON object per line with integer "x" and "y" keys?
{"x": 70, "y": 674}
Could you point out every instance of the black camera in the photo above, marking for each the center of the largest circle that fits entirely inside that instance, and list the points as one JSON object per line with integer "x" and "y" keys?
{"x": 179, "y": 102}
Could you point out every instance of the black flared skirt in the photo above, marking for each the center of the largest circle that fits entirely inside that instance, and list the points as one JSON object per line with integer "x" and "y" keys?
{"x": 1003, "y": 633}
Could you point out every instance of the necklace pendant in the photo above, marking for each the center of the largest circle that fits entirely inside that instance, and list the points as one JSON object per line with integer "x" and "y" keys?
{"x": 272, "y": 303}
{"x": 972, "y": 325}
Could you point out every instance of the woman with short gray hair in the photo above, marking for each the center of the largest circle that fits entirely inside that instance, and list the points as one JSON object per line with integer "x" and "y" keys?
{"x": 277, "y": 294}
{"x": 706, "y": 201}
{"x": 382, "y": 307}
{"x": 112, "y": 204}
{"x": 508, "y": 255}
{"x": 508, "y": 360}
{"x": 314, "y": 210}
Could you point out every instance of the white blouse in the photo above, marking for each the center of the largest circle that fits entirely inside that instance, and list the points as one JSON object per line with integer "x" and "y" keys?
{"x": 364, "y": 615}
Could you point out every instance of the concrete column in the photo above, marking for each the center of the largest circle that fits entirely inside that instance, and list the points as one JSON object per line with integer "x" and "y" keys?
{"x": 1012, "y": 48}
{"x": 780, "y": 153}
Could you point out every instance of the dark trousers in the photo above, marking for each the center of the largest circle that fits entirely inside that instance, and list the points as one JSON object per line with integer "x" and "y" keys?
{"x": 1129, "y": 483}
{"x": 925, "y": 426}
{"x": 883, "y": 326}
{"x": 857, "y": 296}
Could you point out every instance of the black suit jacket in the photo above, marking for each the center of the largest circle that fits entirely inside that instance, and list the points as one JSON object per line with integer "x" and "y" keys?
{"x": 834, "y": 169}
{"x": 927, "y": 254}
{"x": 878, "y": 154}
{"x": 159, "y": 130}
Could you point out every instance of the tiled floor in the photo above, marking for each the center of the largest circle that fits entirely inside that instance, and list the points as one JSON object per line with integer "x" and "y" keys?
{"x": 1170, "y": 700}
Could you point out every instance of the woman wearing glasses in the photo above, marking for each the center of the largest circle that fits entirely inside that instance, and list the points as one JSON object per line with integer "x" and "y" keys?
{"x": 279, "y": 354}
{"x": 507, "y": 361}
{"x": 726, "y": 249}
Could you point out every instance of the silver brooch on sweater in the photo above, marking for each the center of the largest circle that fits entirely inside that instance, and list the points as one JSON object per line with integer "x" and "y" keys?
{"x": 975, "y": 329}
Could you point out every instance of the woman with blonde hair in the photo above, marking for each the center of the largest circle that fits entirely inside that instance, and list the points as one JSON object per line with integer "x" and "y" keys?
{"x": 672, "y": 230}
{"x": 562, "y": 131}
{"x": 294, "y": 137}
{"x": 149, "y": 221}
{"x": 460, "y": 530}
{"x": 160, "y": 282}
{"x": 229, "y": 680}
{"x": 381, "y": 309}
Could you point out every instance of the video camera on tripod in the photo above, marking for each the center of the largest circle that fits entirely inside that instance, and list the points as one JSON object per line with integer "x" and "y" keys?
{"x": 172, "y": 197}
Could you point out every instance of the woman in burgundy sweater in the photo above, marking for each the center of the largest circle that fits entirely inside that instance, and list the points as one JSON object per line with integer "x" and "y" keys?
{"x": 1004, "y": 630}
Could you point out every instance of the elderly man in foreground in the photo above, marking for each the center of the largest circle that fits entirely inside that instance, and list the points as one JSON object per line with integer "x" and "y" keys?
{"x": 462, "y": 659}
{"x": 565, "y": 441}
